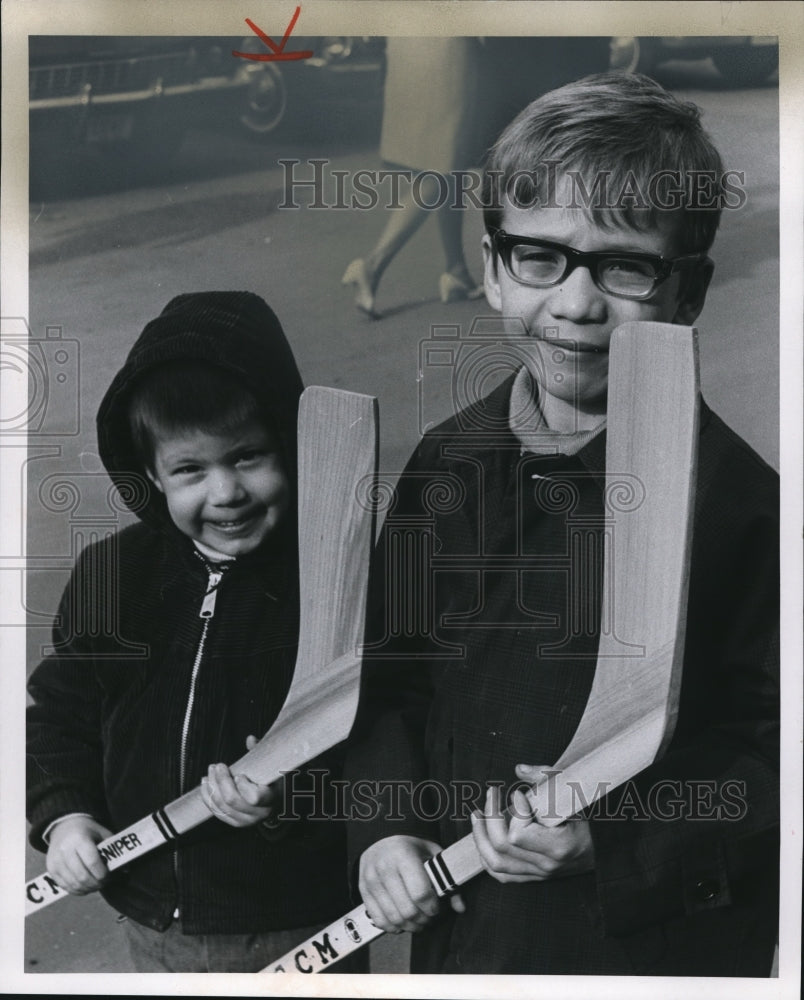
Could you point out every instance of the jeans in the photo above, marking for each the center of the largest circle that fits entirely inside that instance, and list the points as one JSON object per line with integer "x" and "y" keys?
{"x": 172, "y": 951}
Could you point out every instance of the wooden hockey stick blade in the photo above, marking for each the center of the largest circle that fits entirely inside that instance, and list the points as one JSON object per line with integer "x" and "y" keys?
{"x": 651, "y": 467}
{"x": 334, "y": 547}
{"x": 337, "y": 464}
{"x": 651, "y": 462}
{"x": 651, "y": 459}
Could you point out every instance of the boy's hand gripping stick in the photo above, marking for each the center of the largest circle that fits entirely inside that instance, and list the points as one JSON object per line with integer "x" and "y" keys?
{"x": 651, "y": 462}
{"x": 337, "y": 464}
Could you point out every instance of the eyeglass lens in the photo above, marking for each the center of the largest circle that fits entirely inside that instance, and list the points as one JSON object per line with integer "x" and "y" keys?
{"x": 535, "y": 265}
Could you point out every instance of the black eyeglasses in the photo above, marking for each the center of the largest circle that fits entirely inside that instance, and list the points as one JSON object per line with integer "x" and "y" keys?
{"x": 628, "y": 275}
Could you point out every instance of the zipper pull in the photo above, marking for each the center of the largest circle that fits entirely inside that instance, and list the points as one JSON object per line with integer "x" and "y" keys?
{"x": 208, "y": 604}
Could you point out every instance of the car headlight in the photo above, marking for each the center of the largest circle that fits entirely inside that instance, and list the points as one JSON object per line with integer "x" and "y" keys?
{"x": 336, "y": 49}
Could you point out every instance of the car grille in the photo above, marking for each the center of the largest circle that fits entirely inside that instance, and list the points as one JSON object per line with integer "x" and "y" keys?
{"x": 111, "y": 76}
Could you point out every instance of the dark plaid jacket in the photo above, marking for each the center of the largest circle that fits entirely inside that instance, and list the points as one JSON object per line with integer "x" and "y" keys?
{"x": 485, "y": 626}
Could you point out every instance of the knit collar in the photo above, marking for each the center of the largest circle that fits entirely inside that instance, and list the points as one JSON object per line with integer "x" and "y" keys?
{"x": 211, "y": 555}
{"x": 527, "y": 423}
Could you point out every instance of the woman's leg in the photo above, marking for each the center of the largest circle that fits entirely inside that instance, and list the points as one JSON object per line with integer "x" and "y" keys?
{"x": 365, "y": 272}
{"x": 456, "y": 282}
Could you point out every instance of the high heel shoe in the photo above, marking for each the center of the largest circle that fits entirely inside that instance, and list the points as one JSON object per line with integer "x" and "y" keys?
{"x": 453, "y": 289}
{"x": 357, "y": 274}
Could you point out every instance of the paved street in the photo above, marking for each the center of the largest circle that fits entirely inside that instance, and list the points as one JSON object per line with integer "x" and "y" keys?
{"x": 107, "y": 254}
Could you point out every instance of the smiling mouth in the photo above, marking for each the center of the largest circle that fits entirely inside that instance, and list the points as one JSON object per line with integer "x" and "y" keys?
{"x": 233, "y": 525}
{"x": 575, "y": 347}
{"x": 569, "y": 346}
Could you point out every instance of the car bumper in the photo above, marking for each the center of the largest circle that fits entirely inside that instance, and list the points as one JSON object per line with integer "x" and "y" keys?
{"x": 86, "y": 95}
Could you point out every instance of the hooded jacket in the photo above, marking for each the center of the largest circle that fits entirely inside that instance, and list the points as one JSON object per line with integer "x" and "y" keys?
{"x": 137, "y": 697}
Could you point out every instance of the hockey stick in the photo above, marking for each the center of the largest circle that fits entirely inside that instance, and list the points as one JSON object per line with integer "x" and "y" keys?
{"x": 651, "y": 458}
{"x": 337, "y": 460}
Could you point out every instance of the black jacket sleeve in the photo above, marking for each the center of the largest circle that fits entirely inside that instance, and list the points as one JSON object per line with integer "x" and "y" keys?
{"x": 64, "y": 752}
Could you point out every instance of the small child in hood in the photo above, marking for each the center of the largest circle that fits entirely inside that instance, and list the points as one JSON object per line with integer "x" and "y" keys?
{"x": 203, "y": 416}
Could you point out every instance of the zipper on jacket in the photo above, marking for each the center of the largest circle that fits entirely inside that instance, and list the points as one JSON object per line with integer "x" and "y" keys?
{"x": 206, "y": 613}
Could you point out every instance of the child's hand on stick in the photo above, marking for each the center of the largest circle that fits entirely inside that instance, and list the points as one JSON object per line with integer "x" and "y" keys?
{"x": 236, "y": 799}
{"x": 72, "y": 856}
{"x": 394, "y": 885}
{"x": 517, "y": 848}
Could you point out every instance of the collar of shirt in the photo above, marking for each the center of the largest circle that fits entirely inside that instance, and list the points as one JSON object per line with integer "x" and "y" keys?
{"x": 528, "y": 425}
{"x": 211, "y": 555}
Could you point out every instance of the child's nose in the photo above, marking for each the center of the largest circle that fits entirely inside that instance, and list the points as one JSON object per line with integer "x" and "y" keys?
{"x": 225, "y": 487}
{"x": 578, "y": 298}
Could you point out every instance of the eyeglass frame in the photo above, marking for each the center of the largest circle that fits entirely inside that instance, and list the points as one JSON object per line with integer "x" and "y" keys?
{"x": 503, "y": 243}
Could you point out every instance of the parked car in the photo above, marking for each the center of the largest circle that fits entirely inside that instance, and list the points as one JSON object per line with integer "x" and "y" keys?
{"x": 742, "y": 60}
{"x": 344, "y": 73}
{"x": 119, "y": 91}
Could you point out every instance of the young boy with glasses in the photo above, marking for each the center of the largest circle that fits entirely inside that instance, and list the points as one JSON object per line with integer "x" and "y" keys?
{"x": 602, "y": 202}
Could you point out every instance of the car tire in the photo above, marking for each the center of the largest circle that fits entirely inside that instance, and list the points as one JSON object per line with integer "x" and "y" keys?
{"x": 266, "y": 101}
{"x": 746, "y": 66}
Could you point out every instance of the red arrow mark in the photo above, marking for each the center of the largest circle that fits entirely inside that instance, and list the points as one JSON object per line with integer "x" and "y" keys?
{"x": 277, "y": 53}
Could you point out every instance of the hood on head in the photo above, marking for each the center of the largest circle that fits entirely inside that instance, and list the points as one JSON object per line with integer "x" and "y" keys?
{"x": 236, "y": 331}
